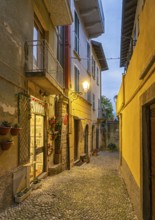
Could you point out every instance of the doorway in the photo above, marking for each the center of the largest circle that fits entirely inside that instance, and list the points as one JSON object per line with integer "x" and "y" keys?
{"x": 86, "y": 140}
{"x": 37, "y": 147}
{"x": 97, "y": 138}
{"x": 76, "y": 138}
{"x": 148, "y": 161}
{"x": 152, "y": 159}
{"x": 37, "y": 138}
{"x": 92, "y": 144}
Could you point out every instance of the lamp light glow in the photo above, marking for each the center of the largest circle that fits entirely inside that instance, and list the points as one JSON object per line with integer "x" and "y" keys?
{"x": 86, "y": 86}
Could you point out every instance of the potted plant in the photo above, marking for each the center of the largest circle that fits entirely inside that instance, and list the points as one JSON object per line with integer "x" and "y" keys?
{"x": 20, "y": 196}
{"x": 54, "y": 135}
{"x": 5, "y": 127}
{"x": 36, "y": 183}
{"x": 52, "y": 120}
{"x": 6, "y": 144}
{"x": 15, "y": 129}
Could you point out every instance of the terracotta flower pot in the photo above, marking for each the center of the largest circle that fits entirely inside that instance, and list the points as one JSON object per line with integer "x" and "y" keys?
{"x": 6, "y": 145}
{"x": 4, "y": 130}
{"x": 15, "y": 131}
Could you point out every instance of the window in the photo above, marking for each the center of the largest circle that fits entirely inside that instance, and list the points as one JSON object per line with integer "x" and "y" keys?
{"x": 60, "y": 45}
{"x": 88, "y": 57}
{"x": 38, "y": 48}
{"x": 76, "y": 27}
{"x": 99, "y": 108}
{"x": 76, "y": 71}
{"x": 97, "y": 76}
{"x": 93, "y": 102}
{"x": 93, "y": 67}
{"x": 89, "y": 96}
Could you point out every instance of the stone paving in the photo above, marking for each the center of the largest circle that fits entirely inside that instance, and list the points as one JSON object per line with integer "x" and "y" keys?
{"x": 93, "y": 191}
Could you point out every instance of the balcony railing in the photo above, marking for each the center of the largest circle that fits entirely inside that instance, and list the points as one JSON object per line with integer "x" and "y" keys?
{"x": 40, "y": 60}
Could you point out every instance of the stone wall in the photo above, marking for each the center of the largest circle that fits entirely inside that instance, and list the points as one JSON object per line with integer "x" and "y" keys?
{"x": 110, "y": 134}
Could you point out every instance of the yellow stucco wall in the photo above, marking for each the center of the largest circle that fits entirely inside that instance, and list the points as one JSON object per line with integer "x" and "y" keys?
{"x": 81, "y": 110}
{"x": 134, "y": 87}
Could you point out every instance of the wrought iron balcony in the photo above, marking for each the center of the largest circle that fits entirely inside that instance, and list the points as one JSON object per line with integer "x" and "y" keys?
{"x": 42, "y": 67}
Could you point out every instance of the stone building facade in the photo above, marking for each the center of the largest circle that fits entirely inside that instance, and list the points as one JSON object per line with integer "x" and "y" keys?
{"x": 31, "y": 85}
{"x": 38, "y": 90}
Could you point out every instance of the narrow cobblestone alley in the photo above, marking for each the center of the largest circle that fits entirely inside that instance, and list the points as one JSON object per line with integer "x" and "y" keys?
{"x": 93, "y": 191}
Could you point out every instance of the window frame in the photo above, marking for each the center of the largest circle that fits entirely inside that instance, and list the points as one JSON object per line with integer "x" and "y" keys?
{"x": 77, "y": 79}
{"x": 76, "y": 33}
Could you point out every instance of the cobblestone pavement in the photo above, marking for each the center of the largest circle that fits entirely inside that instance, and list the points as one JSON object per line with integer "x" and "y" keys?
{"x": 93, "y": 191}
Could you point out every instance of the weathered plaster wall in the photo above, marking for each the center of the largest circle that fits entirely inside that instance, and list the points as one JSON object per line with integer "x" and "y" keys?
{"x": 131, "y": 112}
{"x": 16, "y": 23}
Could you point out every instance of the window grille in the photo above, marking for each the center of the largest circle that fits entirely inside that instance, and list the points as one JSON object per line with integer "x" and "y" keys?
{"x": 24, "y": 121}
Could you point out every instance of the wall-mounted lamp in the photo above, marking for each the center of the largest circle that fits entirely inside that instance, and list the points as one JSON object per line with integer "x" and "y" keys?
{"x": 75, "y": 95}
{"x": 85, "y": 86}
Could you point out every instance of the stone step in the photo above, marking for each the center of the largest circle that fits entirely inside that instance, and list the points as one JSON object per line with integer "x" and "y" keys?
{"x": 55, "y": 169}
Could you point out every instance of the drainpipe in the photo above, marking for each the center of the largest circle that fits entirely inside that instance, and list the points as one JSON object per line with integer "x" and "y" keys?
{"x": 67, "y": 85}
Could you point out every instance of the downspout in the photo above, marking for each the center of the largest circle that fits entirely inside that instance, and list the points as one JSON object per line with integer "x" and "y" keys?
{"x": 67, "y": 85}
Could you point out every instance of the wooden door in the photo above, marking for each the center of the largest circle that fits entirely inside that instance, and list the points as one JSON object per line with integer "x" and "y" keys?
{"x": 152, "y": 119}
{"x": 76, "y": 138}
{"x": 86, "y": 140}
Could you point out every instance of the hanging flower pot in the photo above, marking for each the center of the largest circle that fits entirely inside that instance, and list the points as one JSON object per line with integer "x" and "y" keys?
{"x": 15, "y": 131}
{"x": 6, "y": 145}
{"x": 5, "y": 128}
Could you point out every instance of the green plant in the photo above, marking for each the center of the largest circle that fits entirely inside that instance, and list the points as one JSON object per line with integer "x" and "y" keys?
{"x": 112, "y": 146}
{"x": 21, "y": 193}
{"x": 16, "y": 125}
{"x": 5, "y": 124}
{"x": 36, "y": 180}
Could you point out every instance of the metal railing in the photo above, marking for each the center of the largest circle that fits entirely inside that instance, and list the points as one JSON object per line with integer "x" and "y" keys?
{"x": 40, "y": 58}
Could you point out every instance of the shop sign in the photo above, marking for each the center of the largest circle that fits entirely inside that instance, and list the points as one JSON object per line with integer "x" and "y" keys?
{"x": 37, "y": 106}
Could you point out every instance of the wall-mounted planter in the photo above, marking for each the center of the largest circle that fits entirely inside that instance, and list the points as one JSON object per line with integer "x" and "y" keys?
{"x": 36, "y": 185}
{"x": 4, "y": 130}
{"x": 21, "y": 196}
{"x": 6, "y": 145}
{"x": 15, "y": 131}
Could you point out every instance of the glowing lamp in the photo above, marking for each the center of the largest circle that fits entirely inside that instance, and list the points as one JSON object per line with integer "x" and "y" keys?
{"x": 86, "y": 86}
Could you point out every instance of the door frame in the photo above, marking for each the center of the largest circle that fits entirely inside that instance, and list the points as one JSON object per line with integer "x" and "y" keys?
{"x": 86, "y": 135}
{"x": 42, "y": 149}
{"x": 76, "y": 139}
{"x": 146, "y": 99}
